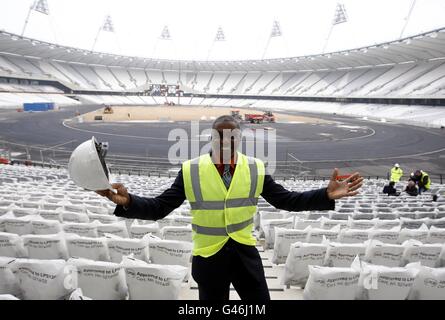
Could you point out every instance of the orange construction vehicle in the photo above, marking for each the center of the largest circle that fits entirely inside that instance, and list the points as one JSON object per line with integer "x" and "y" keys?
{"x": 267, "y": 116}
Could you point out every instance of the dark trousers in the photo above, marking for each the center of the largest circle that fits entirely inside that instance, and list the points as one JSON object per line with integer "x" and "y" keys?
{"x": 422, "y": 189}
{"x": 235, "y": 264}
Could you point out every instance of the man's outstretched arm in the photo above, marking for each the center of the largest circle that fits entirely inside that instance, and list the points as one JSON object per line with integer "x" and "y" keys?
{"x": 136, "y": 207}
{"x": 321, "y": 199}
{"x": 284, "y": 199}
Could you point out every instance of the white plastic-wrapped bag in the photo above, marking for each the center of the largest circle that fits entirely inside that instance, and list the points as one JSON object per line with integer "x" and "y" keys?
{"x": 181, "y": 221}
{"x": 331, "y": 283}
{"x": 18, "y": 226}
{"x": 118, "y": 229}
{"x": 87, "y": 248}
{"x": 300, "y": 256}
{"x": 316, "y": 235}
{"x": 387, "y": 224}
{"x": 78, "y": 295}
{"x": 386, "y": 236}
{"x": 74, "y": 208}
{"x": 166, "y": 221}
{"x": 385, "y": 254}
{"x": 11, "y": 207}
{"x": 406, "y": 214}
{"x": 335, "y": 215}
{"x": 408, "y": 223}
{"x": 302, "y": 224}
{"x": 23, "y": 212}
{"x": 363, "y": 215}
{"x": 179, "y": 233}
{"x": 427, "y": 254}
{"x": 2, "y": 222}
{"x": 361, "y": 224}
{"x": 138, "y": 231}
{"x": 429, "y": 283}
{"x": 48, "y": 247}
{"x": 153, "y": 281}
{"x": 74, "y": 217}
{"x": 385, "y": 283}
{"x": 420, "y": 234}
{"x": 41, "y": 226}
{"x": 426, "y": 214}
{"x": 268, "y": 226}
{"x": 99, "y": 280}
{"x": 103, "y": 218}
{"x": 170, "y": 252}
{"x": 328, "y": 224}
{"x": 120, "y": 247}
{"x": 438, "y": 223}
{"x": 50, "y": 215}
{"x": 4, "y": 207}
{"x": 82, "y": 229}
{"x": 50, "y": 204}
{"x": 314, "y": 215}
{"x": 353, "y": 236}
{"x": 128, "y": 222}
{"x": 43, "y": 279}
{"x": 343, "y": 254}
{"x": 386, "y": 216}
{"x": 11, "y": 245}
{"x": 266, "y": 215}
{"x": 96, "y": 209}
{"x": 8, "y": 282}
{"x": 283, "y": 239}
{"x": 436, "y": 235}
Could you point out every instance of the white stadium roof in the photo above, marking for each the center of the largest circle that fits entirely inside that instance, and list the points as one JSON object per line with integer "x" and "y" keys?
{"x": 427, "y": 46}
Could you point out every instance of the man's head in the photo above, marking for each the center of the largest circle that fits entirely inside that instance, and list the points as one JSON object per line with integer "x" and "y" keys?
{"x": 418, "y": 173}
{"x": 392, "y": 183}
{"x": 411, "y": 184}
{"x": 226, "y": 137}
{"x": 397, "y": 165}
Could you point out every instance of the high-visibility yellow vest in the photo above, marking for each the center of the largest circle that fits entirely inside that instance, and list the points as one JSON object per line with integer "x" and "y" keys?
{"x": 428, "y": 184}
{"x": 218, "y": 213}
{"x": 396, "y": 174}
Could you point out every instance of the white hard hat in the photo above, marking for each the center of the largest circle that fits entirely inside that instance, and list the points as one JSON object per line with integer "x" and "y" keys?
{"x": 396, "y": 165}
{"x": 87, "y": 167}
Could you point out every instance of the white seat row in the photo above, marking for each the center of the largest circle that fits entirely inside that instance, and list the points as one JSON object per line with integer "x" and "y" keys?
{"x": 79, "y": 278}
{"x": 363, "y": 281}
{"x": 340, "y": 255}
{"x": 106, "y": 247}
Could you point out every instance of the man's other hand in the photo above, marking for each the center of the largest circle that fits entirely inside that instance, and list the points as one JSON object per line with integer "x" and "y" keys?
{"x": 346, "y": 188}
{"x": 120, "y": 198}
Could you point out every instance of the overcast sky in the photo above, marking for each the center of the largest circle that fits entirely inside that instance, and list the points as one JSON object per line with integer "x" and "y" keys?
{"x": 247, "y": 25}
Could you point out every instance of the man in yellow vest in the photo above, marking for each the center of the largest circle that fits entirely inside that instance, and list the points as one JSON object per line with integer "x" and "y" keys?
{"x": 396, "y": 173}
{"x": 223, "y": 188}
{"x": 422, "y": 179}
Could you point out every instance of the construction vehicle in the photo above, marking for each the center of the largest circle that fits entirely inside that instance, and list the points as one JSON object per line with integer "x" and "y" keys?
{"x": 108, "y": 110}
{"x": 267, "y": 116}
{"x": 236, "y": 115}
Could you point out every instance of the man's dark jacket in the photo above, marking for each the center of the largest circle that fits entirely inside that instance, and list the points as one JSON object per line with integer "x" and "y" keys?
{"x": 158, "y": 207}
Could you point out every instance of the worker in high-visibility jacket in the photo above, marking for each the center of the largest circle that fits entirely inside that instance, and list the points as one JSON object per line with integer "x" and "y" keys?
{"x": 223, "y": 188}
{"x": 396, "y": 173}
{"x": 422, "y": 179}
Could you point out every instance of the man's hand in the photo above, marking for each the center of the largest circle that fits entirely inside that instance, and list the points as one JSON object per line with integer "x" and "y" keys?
{"x": 121, "y": 198}
{"x": 347, "y": 188}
